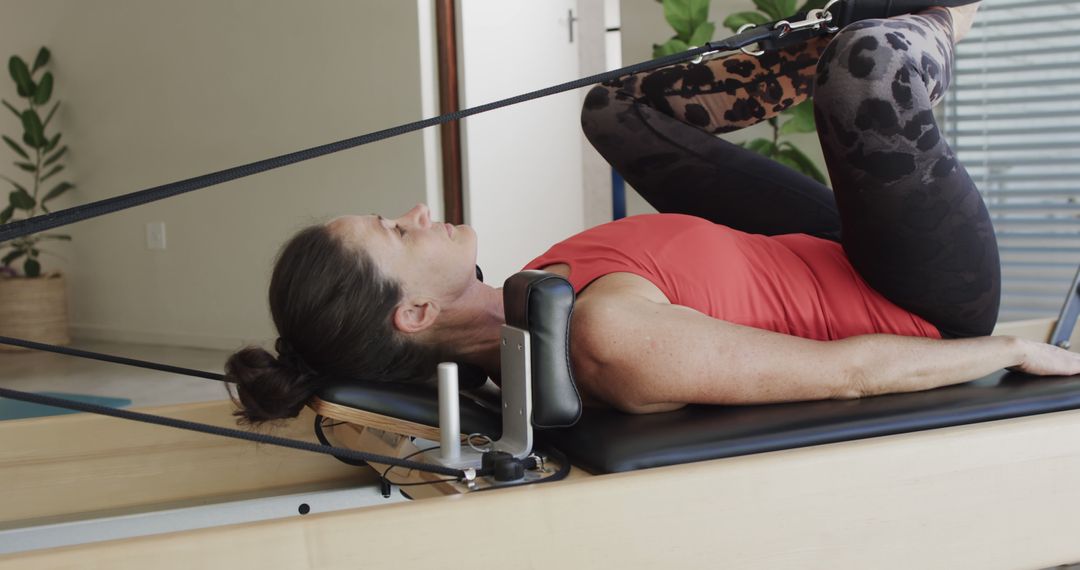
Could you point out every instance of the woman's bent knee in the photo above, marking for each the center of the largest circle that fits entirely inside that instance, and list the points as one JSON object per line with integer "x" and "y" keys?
{"x": 599, "y": 118}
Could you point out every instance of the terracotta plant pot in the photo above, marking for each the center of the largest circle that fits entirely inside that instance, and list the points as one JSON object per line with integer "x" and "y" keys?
{"x": 34, "y": 309}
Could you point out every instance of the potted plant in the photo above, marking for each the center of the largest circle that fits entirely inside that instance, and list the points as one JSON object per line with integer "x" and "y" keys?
{"x": 33, "y": 304}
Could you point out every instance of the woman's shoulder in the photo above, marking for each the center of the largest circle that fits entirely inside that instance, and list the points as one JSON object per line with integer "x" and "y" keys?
{"x": 622, "y": 285}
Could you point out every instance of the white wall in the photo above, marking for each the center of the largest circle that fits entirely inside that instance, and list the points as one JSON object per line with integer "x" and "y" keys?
{"x": 158, "y": 91}
{"x": 643, "y": 25}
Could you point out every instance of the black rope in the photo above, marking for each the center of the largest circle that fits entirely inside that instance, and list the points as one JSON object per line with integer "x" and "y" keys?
{"x": 110, "y": 358}
{"x": 339, "y": 452}
{"x": 20, "y": 228}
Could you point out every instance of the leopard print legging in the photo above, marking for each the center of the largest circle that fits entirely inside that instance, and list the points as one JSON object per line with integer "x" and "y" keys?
{"x": 907, "y": 214}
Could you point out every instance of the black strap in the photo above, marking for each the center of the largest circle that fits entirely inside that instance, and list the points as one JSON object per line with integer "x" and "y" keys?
{"x": 20, "y": 228}
{"x": 339, "y": 452}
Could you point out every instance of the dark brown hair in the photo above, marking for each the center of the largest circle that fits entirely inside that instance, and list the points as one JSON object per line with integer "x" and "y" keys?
{"x": 333, "y": 311}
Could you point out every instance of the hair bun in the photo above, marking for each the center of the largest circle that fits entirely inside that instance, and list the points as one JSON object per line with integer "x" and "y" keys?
{"x": 265, "y": 389}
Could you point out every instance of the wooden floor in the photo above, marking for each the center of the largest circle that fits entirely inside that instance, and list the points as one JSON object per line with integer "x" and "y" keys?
{"x": 36, "y": 371}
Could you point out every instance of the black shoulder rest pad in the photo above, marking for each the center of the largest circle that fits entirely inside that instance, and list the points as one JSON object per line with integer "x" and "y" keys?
{"x": 542, "y": 303}
{"x": 417, "y": 403}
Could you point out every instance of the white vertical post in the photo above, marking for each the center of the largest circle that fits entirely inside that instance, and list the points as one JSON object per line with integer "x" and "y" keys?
{"x": 449, "y": 419}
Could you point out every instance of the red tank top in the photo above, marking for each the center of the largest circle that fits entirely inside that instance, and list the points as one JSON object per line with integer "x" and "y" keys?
{"x": 793, "y": 284}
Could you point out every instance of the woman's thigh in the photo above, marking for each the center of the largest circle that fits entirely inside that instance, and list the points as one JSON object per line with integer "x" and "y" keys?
{"x": 914, "y": 224}
{"x": 657, "y": 129}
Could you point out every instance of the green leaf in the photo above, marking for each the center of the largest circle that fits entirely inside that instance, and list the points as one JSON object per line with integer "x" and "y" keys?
{"x": 6, "y": 214}
{"x": 26, "y": 166}
{"x": 34, "y": 130}
{"x": 13, "y": 109}
{"x": 812, "y": 5}
{"x": 763, "y": 147}
{"x": 58, "y": 190}
{"x": 802, "y": 119}
{"x": 54, "y": 170}
{"x": 15, "y": 147}
{"x": 32, "y": 268}
{"x": 674, "y": 45}
{"x": 51, "y": 112}
{"x": 21, "y": 74}
{"x": 791, "y": 155}
{"x": 16, "y": 254}
{"x": 738, "y": 20}
{"x": 776, "y": 9}
{"x": 22, "y": 200}
{"x": 52, "y": 144}
{"x": 56, "y": 156}
{"x": 686, "y": 15}
{"x": 44, "y": 89}
{"x": 703, "y": 34}
{"x": 788, "y": 162}
{"x": 42, "y": 58}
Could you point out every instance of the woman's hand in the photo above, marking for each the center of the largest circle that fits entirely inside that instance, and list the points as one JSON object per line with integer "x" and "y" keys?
{"x": 1047, "y": 360}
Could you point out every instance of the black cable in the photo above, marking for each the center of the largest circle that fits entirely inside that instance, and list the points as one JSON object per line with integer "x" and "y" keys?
{"x": 323, "y": 440}
{"x": 338, "y": 452}
{"x": 110, "y": 358}
{"x": 386, "y": 480}
{"x": 20, "y": 228}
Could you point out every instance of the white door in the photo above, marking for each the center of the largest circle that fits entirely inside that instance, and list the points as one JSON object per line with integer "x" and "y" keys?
{"x": 523, "y": 163}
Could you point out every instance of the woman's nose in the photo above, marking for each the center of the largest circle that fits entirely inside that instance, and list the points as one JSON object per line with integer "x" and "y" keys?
{"x": 420, "y": 215}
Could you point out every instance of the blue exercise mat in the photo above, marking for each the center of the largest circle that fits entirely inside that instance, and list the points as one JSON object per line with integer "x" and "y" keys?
{"x": 15, "y": 410}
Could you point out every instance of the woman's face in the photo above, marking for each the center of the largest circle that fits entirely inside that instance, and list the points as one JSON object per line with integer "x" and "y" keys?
{"x": 430, "y": 259}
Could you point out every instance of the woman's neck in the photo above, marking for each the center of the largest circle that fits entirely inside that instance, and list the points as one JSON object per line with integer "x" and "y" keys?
{"x": 471, "y": 327}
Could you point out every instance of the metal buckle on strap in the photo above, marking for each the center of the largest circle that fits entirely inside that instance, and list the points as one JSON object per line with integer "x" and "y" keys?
{"x": 816, "y": 19}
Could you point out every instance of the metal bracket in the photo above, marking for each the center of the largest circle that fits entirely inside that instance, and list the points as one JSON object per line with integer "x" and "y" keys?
{"x": 1070, "y": 311}
{"x": 517, "y": 429}
{"x": 517, "y": 434}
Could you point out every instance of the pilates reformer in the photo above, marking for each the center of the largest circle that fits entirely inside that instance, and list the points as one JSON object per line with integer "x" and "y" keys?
{"x": 707, "y": 447}
{"x": 604, "y": 442}
{"x": 539, "y": 392}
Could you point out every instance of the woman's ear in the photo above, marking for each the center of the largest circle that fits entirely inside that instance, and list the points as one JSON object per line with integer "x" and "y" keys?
{"x": 415, "y": 316}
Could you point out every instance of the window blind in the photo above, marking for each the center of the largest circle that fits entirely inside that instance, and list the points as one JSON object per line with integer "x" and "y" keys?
{"x": 1013, "y": 117}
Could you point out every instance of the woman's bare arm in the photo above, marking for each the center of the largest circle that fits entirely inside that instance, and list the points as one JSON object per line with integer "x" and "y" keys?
{"x": 643, "y": 356}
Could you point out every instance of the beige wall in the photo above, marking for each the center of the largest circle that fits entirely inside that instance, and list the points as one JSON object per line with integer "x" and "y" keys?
{"x": 158, "y": 91}
{"x": 643, "y": 25}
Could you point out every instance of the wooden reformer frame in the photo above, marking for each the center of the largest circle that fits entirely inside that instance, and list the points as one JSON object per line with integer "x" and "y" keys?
{"x": 995, "y": 494}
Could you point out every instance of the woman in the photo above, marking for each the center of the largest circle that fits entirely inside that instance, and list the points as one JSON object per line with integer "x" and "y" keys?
{"x": 744, "y": 291}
